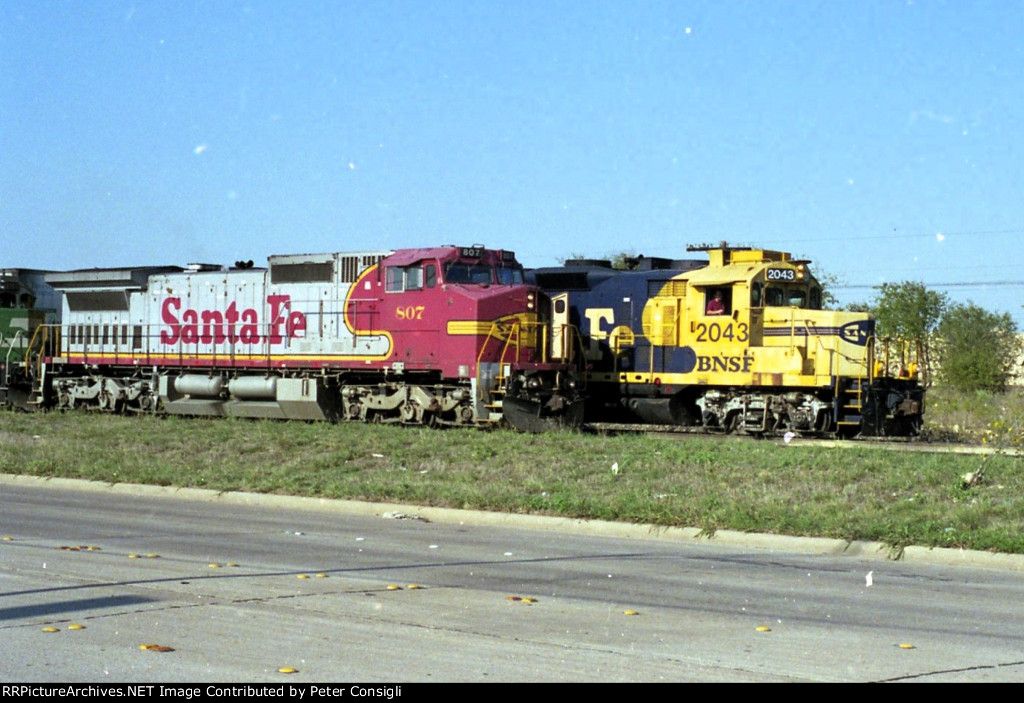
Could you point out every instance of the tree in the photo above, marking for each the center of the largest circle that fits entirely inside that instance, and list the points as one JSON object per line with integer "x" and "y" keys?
{"x": 978, "y": 348}
{"x": 623, "y": 260}
{"x": 908, "y": 310}
{"x": 828, "y": 282}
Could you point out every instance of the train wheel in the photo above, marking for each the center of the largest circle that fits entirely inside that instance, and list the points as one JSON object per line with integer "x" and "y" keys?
{"x": 106, "y": 401}
{"x": 65, "y": 401}
{"x": 147, "y": 402}
{"x": 411, "y": 411}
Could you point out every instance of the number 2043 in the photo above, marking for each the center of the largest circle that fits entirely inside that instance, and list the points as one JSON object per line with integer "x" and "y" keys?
{"x": 716, "y": 332}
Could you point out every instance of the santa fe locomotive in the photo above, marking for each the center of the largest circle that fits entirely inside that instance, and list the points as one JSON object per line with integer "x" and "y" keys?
{"x": 446, "y": 335}
{"x": 737, "y": 342}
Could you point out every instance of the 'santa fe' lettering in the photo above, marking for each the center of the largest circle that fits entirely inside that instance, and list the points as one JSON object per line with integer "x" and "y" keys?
{"x": 231, "y": 325}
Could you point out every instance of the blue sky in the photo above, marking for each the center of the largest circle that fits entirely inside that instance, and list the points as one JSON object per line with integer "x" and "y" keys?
{"x": 882, "y": 139}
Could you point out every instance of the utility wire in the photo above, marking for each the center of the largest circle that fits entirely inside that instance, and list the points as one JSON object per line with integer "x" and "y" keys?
{"x": 961, "y": 284}
{"x": 909, "y": 235}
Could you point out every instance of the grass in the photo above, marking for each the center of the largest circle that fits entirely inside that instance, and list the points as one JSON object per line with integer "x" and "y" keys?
{"x": 988, "y": 418}
{"x": 855, "y": 493}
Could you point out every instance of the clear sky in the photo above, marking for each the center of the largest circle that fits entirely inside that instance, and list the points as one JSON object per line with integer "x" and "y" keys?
{"x": 882, "y": 139}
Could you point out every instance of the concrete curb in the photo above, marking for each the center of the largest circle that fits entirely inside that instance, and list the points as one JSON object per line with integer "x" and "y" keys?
{"x": 745, "y": 540}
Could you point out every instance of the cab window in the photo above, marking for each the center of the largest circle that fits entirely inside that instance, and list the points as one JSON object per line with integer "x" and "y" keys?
{"x": 788, "y": 297}
{"x": 414, "y": 278}
{"x": 716, "y": 301}
{"x": 796, "y": 298}
{"x": 400, "y": 279}
{"x": 510, "y": 276}
{"x": 395, "y": 282}
{"x": 457, "y": 272}
{"x": 756, "y": 293}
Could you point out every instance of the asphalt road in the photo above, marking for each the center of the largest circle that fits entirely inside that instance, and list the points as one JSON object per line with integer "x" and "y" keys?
{"x": 238, "y": 587}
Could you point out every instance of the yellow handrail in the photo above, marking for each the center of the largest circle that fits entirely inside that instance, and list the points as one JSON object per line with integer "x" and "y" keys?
{"x": 42, "y": 335}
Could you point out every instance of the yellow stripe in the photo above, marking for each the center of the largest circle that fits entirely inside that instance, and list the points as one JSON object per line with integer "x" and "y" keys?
{"x": 468, "y": 327}
{"x": 145, "y": 359}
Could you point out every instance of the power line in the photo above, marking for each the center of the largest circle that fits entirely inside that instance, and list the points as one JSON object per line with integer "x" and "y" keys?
{"x": 959, "y": 284}
{"x": 894, "y": 235}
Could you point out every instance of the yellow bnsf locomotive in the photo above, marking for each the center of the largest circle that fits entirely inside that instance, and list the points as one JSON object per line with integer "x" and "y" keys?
{"x": 738, "y": 342}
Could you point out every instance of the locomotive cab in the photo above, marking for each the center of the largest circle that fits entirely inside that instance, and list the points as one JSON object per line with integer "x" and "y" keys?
{"x": 440, "y": 304}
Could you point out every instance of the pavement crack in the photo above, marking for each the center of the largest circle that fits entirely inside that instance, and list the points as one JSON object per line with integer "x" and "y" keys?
{"x": 959, "y": 670}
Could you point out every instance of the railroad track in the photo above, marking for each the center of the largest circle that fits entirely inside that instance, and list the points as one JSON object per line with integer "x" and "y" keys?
{"x": 903, "y": 444}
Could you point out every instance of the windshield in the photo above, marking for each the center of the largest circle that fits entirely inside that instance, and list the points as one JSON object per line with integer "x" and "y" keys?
{"x": 510, "y": 276}
{"x": 788, "y": 296}
{"x": 457, "y": 272}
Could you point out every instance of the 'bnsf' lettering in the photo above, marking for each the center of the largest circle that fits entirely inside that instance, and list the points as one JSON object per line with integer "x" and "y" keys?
{"x": 231, "y": 325}
{"x": 724, "y": 364}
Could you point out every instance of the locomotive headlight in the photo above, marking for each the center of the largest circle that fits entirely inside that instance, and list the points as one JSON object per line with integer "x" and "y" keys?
{"x": 530, "y": 303}
{"x": 800, "y": 271}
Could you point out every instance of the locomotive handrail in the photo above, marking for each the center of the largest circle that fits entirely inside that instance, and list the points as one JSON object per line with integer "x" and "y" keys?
{"x": 510, "y": 335}
{"x": 575, "y": 345}
{"x": 43, "y": 336}
{"x": 871, "y": 358}
{"x": 909, "y": 360}
{"x": 182, "y": 352}
{"x": 492, "y": 333}
{"x": 7, "y": 359}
